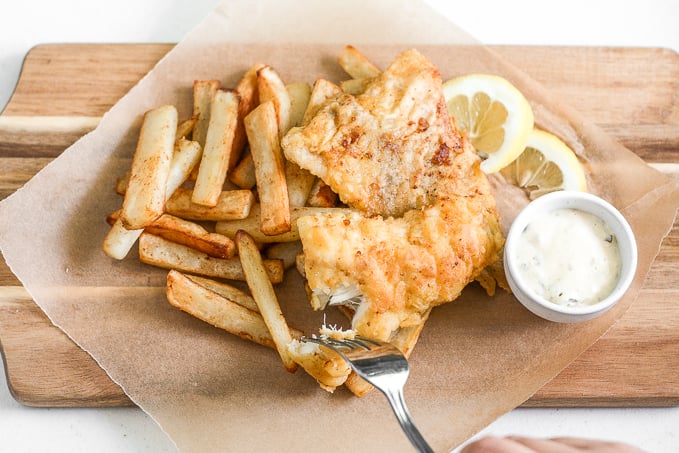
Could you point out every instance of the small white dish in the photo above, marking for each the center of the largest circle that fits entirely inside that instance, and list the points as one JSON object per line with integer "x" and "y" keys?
{"x": 588, "y": 203}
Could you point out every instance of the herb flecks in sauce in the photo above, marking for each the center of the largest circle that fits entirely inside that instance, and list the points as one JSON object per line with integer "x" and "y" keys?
{"x": 569, "y": 257}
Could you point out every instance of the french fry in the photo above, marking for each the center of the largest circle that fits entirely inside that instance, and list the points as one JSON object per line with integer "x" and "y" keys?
{"x": 298, "y": 179}
{"x": 160, "y": 252}
{"x": 249, "y": 99}
{"x": 322, "y": 91}
{"x": 243, "y": 174}
{"x": 192, "y": 235}
{"x": 299, "y": 182}
{"x": 284, "y": 251}
{"x": 299, "y": 93}
{"x": 263, "y": 293}
{"x": 321, "y": 195}
{"x": 326, "y": 366}
{"x": 144, "y": 199}
{"x": 406, "y": 337}
{"x": 251, "y": 225}
{"x": 299, "y": 265}
{"x": 226, "y": 290}
{"x": 203, "y": 92}
{"x": 357, "y": 65}
{"x": 355, "y": 86}
{"x": 191, "y": 297}
{"x": 262, "y": 131}
{"x": 121, "y": 183}
{"x": 231, "y": 205}
{"x": 185, "y": 158}
{"x": 271, "y": 88}
{"x": 218, "y": 146}
{"x": 185, "y": 128}
{"x": 119, "y": 239}
{"x": 247, "y": 89}
{"x": 173, "y": 229}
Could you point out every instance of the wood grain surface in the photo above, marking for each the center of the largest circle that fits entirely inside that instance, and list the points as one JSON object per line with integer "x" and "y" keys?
{"x": 632, "y": 93}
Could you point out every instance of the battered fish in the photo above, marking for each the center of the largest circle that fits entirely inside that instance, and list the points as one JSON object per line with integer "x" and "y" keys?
{"x": 387, "y": 150}
{"x": 424, "y": 223}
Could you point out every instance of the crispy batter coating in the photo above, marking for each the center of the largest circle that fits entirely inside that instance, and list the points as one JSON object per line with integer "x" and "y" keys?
{"x": 386, "y": 150}
{"x": 425, "y": 223}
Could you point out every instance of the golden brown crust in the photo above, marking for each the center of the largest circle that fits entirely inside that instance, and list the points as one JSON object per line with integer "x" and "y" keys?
{"x": 385, "y": 150}
{"x": 425, "y": 223}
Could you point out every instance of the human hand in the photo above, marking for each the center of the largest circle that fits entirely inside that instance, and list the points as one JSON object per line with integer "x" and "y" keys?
{"x": 519, "y": 444}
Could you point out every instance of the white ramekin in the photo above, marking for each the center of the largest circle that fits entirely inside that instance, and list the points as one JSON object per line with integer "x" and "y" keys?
{"x": 584, "y": 202}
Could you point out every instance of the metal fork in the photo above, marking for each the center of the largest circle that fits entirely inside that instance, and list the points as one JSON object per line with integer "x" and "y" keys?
{"x": 385, "y": 367}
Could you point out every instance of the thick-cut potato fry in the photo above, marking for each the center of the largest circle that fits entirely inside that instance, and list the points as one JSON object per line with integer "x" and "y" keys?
{"x": 121, "y": 183}
{"x": 185, "y": 158}
{"x": 299, "y": 265}
{"x": 113, "y": 217}
{"x": 271, "y": 88}
{"x": 185, "y": 128}
{"x": 299, "y": 182}
{"x": 263, "y": 293}
{"x": 249, "y": 99}
{"x": 191, "y": 234}
{"x": 160, "y": 252}
{"x": 299, "y": 93}
{"x": 262, "y": 132}
{"x": 251, "y": 225}
{"x": 247, "y": 89}
{"x": 326, "y": 366}
{"x": 355, "y": 86}
{"x": 243, "y": 174}
{"x": 357, "y": 385}
{"x": 321, "y": 195}
{"x": 356, "y": 64}
{"x": 322, "y": 91}
{"x": 218, "y": 146}
{"x": 119, "y": 240}
{"x": 145, "y": 195}
{"x": 203, "y": 92}
{"x": 285, "y": 251}
{"x": 228, "y": 291}
{"x": 231, "y": 205}
{"x": 206, "y": 305}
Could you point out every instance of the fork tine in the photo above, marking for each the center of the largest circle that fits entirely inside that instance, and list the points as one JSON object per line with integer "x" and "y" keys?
{"x": 368, "y": 341}
{"x": 329, "y": 342}
{"x": 357, "y": 343}
{"x": 383, "y": 366}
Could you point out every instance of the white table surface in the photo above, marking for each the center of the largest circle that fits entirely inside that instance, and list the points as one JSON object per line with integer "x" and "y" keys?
{"x": 653, "y": 23}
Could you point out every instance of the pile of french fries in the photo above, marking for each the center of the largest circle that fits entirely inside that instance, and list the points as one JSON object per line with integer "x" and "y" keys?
{"x": 223, "y": 204}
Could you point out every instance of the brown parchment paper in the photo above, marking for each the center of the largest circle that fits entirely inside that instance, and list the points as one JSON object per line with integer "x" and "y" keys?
{"x": 477, "y": 358}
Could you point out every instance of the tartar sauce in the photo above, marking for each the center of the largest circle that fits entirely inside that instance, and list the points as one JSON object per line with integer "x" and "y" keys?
{"x": 569, "y": 257}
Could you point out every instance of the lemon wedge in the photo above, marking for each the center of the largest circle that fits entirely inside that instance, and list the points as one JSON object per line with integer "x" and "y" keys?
{"x": 496, "y": 116}
{"x": 547, "y": 164}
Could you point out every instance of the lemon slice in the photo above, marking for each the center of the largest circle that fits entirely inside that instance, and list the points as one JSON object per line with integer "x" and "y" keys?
{"x": 497, "y": 117}
{"x": 547, "y": 164}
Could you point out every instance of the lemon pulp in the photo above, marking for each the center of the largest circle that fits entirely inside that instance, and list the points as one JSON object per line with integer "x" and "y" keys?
{"x": 547, "y": 164}
{"x": 497, "y": 118}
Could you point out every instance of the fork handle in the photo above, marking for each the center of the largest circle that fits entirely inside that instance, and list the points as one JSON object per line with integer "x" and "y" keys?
{"x": 398, "y": 404}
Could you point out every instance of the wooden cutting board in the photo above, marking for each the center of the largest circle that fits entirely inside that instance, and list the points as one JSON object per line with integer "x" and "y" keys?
{"x": 631, "y": 93}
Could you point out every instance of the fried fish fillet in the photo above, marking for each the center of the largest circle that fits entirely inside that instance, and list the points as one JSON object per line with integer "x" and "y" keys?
{"x": 424, "y": 223}
{"x": 386, "y": 150}
{"x": 393, "y": 269}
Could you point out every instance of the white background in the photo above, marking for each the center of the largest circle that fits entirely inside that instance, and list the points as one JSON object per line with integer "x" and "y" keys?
{"x": 23, "y": 24}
